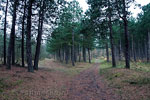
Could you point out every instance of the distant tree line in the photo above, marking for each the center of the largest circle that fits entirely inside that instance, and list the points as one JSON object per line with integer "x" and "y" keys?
{"x": 73, "y": 35}
{"x": 107, "y": 24}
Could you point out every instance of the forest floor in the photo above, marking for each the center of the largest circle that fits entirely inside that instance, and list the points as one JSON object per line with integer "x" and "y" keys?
{"x": 56, "y": 81}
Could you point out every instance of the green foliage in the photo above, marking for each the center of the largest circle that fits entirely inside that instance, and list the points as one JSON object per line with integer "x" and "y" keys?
{"x": 145, "y": 18}
{"x": 71, "y": 20}
{"x": 88, "y": 34}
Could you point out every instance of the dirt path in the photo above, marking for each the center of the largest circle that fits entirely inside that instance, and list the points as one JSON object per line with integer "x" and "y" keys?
{"x": 88, "y": 85}
{"x": 55, "y": 82}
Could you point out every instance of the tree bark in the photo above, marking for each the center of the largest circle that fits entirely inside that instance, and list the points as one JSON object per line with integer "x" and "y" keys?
{"x": 28, "y": 38}
{"x": 12, "y": 35}
{"x": 120, "y": 50}
{"x": 132, "y": 53}
{"x": 39, "y": 37}
{"x": 127, "y": 51}
{"x": 84, "y": 54}
{"x": 73, "y": 53}
{"x": 79, "y": 53}
{"x": 111, "y": 36}
{"x": 148, "y": 46}
{"x": 107, "y": 52}
{"x": 23, "y": 31}
{"x": 13, "y": 49}
{"x": 5, "y": 25}
{"x": 89, "y": 55}
{"x": 66, "y": 54}
{"x": 112, "y": 43}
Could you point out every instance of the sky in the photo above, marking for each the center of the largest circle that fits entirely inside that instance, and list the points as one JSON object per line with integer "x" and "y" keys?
{"x": 84, "y": 5}
{"x": 138, "y": 10}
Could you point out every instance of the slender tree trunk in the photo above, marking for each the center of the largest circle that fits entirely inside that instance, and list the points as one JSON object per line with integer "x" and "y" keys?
{"x": 145, "y": 54}
{"x": 111, "y": 36}
{"x": 79, "y": 53}
{"x": 134, "y": 51}
{"x": 28, "y": 38}
{"x": 145, "y": 44}
{"x": 127, "y": 51}
{"x": 120, "y": 50}
{"x": 84, "y": 54}
{"x": 13, "y": 50}
{"x": 66, "y": 54}
{"x": 89, "y": 55}
{"x": 23, "y": 31}
{"x": 138, "y": 50}
{"x": 132, "y": 47}
{"x": 5, "y": 25}
{"x": 134, "y": 54}
{"x": 39, "y": 37}
{"x": 112, "y": 43}
{"x": 73, "y": 53}
{"x": 107, "y": 52}
{"x": 148, "y": 47}
{"x": 69, "y": 53}
{"x": 12, "y": 35}
{"x": 59, "y": 55}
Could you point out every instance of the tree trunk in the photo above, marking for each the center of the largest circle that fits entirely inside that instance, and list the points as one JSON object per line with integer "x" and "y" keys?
{"x": 148, "y": 47}
{"x": 127, "y": 52}
{"x": 59, "y": 55}
{"x": 23, "y": 31}
{"x": 112, "y": 43}
{"x": 5, "y": 25}
{"x": 63, "y": 55}
{"x": 107, "y": 52}
{"x": 73, "y": 53}
{"x": 39, "y": 37}
{"x": 28, "y": 38}
{"x": 13, "y": 49}
{"x": 120, "y": 50}
{"x": 145, "y": 46}
{"x": 12, "y": 35}
{"x": 134, "y": 51}
{"x": 89, "y": 55}
{"x": 84, "y": 54}
{"x": 66, "y": 54}
{"x": 79, "y": 53}
{"x": 111, "y": 36}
